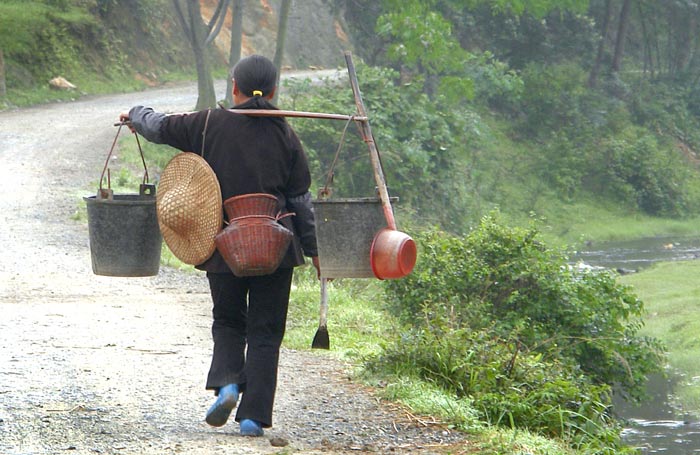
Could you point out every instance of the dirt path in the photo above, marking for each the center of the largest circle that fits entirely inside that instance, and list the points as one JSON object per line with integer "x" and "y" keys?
{"x": 101, "y": 365}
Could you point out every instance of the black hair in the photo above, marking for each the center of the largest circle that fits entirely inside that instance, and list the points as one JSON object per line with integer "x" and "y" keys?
{"x": 255, "y": 75}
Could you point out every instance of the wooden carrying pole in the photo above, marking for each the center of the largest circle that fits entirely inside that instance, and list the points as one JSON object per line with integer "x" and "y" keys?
{"x": 302, "y": 114}
{"x": 283, "y": 113}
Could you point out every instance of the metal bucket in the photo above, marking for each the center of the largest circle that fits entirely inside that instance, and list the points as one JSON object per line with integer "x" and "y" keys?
{"x": 345, "y": 230}
{"x": 124, "y": 236}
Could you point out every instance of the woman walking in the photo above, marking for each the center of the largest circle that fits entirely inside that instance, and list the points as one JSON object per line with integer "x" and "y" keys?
{"x": 248, "y": 155}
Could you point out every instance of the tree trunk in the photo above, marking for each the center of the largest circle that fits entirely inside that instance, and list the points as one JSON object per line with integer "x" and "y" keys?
{"x": 281, "y": 35}
{"x": 604, "y": 32}
{"x": 237, "y": 7}
{"x": 3, "y": 87}
{"x": 682, "y": 25}
{"x": 196, "y": 31}
{"x": 693, "y": 62}
{"x": 648, "y": 57}
{"x": 653, "y": 19}
{"x": 205, "y": 83}
{"x": 620, "y": 40}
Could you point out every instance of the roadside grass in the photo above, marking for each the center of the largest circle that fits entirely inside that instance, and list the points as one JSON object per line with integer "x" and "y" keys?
{"x": 671, "y": 294}
{"x": 356, "y": 324}
{"x": 429, "y": 405}
{"x": 156, "y": 156}
{"x": 499, "y": 441}
{"x": 22, "y": 97}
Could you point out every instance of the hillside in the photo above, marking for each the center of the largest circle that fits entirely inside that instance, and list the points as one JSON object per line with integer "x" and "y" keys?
{"x": 122, "y": 45}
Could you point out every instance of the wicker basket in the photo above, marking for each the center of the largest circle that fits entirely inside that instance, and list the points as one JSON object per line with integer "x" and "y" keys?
{"x": 251, "y": 204}
{"x": 253, "y": 243}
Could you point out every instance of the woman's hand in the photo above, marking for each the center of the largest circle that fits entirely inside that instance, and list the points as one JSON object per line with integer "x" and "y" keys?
{"x": 124, "y": 118}
{"x": 317, "y": 266}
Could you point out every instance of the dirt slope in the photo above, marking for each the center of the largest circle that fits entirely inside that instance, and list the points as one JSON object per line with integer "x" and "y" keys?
{"x": 105, "y": 365}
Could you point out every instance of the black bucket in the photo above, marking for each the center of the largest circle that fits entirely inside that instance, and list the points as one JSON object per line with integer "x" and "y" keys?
{"x": 125, "y": 238}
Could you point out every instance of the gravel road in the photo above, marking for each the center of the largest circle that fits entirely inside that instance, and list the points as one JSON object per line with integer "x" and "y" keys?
{"x": 103, "y": 365}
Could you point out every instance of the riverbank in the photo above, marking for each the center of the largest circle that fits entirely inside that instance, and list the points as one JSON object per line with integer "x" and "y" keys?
{"x": 671, "y": 293}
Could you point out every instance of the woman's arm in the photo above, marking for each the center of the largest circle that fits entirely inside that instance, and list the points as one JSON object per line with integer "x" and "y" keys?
{"x": 146, "y": 122}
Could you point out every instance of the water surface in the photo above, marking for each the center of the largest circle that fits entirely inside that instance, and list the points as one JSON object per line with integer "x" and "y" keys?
{"x": 655, "y": 426}
{"x": 634, "y": 255}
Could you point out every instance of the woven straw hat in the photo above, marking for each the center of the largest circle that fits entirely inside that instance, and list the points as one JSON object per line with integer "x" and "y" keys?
{"x": 188, "y": 203}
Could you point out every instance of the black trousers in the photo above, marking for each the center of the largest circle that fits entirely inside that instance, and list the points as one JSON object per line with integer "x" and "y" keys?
{"x": 250, "y": 315}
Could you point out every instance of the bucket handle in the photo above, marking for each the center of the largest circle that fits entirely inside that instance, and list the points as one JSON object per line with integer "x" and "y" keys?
{"x": 106, "y": 193}
{"x": 147, "y": 189}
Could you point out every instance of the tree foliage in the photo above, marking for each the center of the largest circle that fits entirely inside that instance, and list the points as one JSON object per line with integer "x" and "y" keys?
{"x": 601, "y": 145}
{"x": 421, "y": 38}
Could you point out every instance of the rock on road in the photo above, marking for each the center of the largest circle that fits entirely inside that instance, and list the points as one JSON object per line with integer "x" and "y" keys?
{"x": 104, "y": 365}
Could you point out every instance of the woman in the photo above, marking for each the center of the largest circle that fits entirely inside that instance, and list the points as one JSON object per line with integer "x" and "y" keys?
{"x": 248, "y": 155}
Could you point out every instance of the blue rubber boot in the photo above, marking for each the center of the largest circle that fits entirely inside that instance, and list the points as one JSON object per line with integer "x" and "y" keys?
{"x": 251, "y": 427}
{"x": 219, "y": 412}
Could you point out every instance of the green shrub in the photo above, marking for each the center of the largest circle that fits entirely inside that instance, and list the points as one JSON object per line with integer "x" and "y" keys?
{"x": 502, "y": 318}
{"x": 551, "y": 97}
{"x": 506, "y": 279}
{"x": 670, "y": 107}
{"x": 635, "y": 149}
{"x": 494, "y": 82}
{"x": 645, "y": 173}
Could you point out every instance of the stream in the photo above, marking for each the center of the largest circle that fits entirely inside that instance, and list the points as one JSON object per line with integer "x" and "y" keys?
{"x": 633, "y": 255}
{"x": 655, "y": 426}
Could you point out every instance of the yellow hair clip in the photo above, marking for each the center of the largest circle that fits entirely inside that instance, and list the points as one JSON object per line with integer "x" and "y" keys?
{"x": 257, "y": 93}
